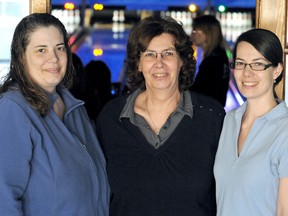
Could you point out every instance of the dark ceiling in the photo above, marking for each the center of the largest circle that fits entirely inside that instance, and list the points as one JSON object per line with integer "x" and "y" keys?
{"x": 162, "y": 4}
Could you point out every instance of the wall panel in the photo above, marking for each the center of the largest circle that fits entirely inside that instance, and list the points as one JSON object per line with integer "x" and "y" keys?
{"x": 40, "y": 6}
{"x": 272, "y": 15}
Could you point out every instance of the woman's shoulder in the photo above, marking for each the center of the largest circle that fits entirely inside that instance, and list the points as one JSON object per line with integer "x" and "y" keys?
{"x": 217, "y": 55}
{"x": 13, "y": 103}
{"x": 207, "y": 103}
{"x": 118, "y": 100}
{"x": 115, "y": 105}
{"x": 13, "y": 96}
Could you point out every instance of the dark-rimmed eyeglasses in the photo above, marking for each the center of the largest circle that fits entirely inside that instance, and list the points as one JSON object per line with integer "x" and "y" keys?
{"x": 257, "y": 66}
{"x": 167, "y": 54}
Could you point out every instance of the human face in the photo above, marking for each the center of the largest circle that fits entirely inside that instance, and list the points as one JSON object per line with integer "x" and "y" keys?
{"x": 46, "y": 57}
{"x": 198, "y": 37}
{"x": 254, "y": 84}
{"x": 161, "y": 73}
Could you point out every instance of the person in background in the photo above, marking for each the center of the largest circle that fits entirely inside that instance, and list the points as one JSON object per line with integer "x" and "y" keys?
{"x": 99, "y": 93}
{"x": 213, "y": 74}
{"x": 82, "y": 87}
{"x": 50, "y": 159}
{"x": 160, "y": 140}
{"x": 251, "y": 166}
{"x": 80, "y": 79}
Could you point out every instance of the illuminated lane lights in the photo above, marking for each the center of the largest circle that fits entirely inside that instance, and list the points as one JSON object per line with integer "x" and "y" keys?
{"x": 98, "y": 6}
{"x": 72, "y": 39}
{"x": 229, "y": 54}
{"x": 221, "y": 8}
{"x": 69, "y": 6}
{"x": 98, "y": 52}
{"x": 195, "y": 51}
{"x": 192, "y": 8}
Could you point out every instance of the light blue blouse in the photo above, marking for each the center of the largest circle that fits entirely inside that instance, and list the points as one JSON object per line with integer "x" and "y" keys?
{"x": 248, "y": 184}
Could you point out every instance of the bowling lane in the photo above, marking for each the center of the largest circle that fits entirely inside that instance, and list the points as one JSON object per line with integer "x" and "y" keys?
{"x": 107, "y": 43}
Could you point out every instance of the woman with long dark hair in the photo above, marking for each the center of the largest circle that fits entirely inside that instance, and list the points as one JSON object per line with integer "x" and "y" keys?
{"x": 50, "y": 159}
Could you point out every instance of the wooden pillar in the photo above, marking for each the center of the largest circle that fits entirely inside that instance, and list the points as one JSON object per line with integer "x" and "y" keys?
{"x": 40, "y": 6}
{"x": 272, "y": 15}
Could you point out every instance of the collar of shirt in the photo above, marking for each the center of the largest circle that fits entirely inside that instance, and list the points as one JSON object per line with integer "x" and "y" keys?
{"x": 273, "y": 114}
{"x": 185, "y": 105}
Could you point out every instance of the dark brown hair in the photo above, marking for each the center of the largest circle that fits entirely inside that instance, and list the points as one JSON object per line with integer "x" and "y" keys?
{"x": 140, "y": 37}
{"x": 266, "y": 43}
{"x": 33, "y": 93}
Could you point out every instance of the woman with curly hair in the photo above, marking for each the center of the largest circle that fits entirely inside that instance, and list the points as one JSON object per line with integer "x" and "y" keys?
{"x": 161, "y": 139}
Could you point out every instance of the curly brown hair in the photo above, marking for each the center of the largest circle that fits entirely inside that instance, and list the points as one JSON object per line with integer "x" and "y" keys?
{"x": 17, "y": 74}
{"x": 140, "y": 37}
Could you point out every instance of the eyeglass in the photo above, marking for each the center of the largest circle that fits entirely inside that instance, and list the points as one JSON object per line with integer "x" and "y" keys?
{"x": 167, "y": 54}
{"x": 257, "y": 66}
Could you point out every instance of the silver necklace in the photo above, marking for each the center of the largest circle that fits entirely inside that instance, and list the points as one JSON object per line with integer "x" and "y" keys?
{"x": 155, "y": 130}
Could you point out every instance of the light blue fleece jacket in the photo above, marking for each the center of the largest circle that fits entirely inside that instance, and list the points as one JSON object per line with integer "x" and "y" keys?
{"x": 49, "y": 167}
